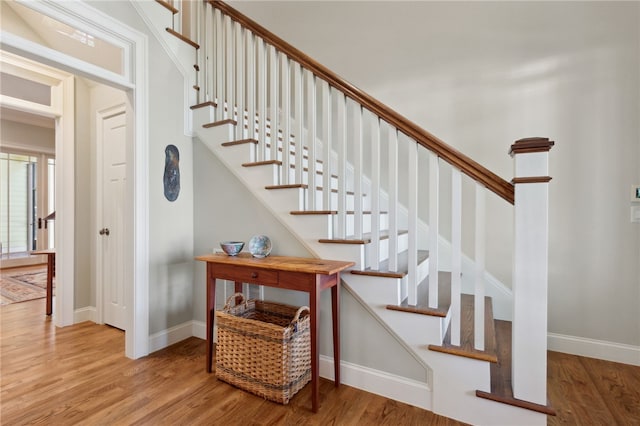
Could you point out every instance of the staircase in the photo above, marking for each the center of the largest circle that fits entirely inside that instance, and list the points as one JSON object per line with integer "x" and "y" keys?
{"x": 346, "y": 175}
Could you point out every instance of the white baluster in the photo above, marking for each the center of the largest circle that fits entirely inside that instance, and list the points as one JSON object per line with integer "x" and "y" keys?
{"x": 178, "y": 23}
{"x": 434, "y": 225}
{"x": 285, "y": 71}
{"x": 219, "y": 74}
{"x": 261, "y": 96}
{"x": 229, "y": 72}
{"x": 374, "y": 251}
{"x": 207, "y": 69}
{"x": 299, "y": 139}
{"x": 274, "y": 109}
{"x": 412, "y": 250}
{"x": 312, "y": 177}
{"x": 456, "y": 253}
{"x": 251, "y": 86}
{"x": 358, "y": 141}
{"x": 326, "y": 146}
{"x": 341, "y": 227}
{"x": 240, "y": 80}
{"x": 393, "y": 198}
{"x": 479, "y": 268}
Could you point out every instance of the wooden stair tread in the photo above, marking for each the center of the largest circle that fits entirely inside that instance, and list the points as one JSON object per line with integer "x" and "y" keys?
{"x": 203, "y": 105}
{"x": 501, "y": 387}
{"x": 168, "y": 6}
{"x": 262, "y": 163}
{"x": 220, "y": 123}
{"x": 183, "y": 38}
{"x": 319, "y": 212}
{"x": 292, "y": 185}
{"x": 422, "y": 307}
{"x": 403, "y": 266}
{"x": 366, "y": 238}
{"x": 240, "y": 142}
{"x": 466, "y": 347}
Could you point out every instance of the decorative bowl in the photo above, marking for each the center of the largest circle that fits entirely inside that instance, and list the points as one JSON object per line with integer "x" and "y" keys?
{"x": 232, "y": 248}
{"x": 260, "y": 246}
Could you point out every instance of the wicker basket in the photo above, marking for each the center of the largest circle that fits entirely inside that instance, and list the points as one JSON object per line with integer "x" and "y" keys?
{"x": 264, "y": 348}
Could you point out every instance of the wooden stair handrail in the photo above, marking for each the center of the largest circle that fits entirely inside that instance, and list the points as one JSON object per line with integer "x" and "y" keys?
{"x": 452, "y": 156}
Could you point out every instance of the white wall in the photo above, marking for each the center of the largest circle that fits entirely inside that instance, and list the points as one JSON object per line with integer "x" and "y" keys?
{"x": 482, "y": 75}
{"x": 170, "y": 223}
{"x": 23, "y": 136}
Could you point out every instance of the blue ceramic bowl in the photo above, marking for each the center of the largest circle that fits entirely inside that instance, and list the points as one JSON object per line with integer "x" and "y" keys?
{"x": 232, "y": 247}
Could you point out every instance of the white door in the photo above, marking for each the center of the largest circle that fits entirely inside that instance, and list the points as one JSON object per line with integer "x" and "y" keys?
{"x": 113, "y": 229}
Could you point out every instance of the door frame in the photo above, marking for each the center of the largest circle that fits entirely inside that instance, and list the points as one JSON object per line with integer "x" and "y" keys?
{"x": 134, "y": 81}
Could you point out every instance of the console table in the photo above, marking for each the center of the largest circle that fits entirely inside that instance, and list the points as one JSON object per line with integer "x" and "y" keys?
{"x": 51, "y": 271}
{"x": 294, "y": 273}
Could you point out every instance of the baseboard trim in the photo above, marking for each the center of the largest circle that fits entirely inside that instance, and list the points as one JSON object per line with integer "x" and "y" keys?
{"x": 600, "y": 349}
{"x": 88, "y": 313}
{"x": 380, "y": 383}
{"x": 199, "y": 330}
{"x": 168, "y": 337}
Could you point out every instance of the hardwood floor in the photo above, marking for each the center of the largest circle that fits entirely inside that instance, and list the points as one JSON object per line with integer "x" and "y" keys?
{"x": 79, "y": 375}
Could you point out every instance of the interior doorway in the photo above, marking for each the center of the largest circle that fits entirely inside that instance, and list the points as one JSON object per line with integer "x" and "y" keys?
{"x": 132, "y": 78}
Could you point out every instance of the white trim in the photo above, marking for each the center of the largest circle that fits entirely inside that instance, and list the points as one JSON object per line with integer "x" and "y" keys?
{"x": 199, "y": 330}
{"x": 600, "y": 349}
{"x": 84, "y": 314}
{"x": 82, "y": 15}
{"x": 65, "y": 202}
{"x": 170, "y": 336}
{"x": 390, "y": 386}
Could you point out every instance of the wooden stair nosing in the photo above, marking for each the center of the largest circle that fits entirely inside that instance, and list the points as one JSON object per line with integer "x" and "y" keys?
{"x": 203, "y": 105}
{"x": 240, "y": 142}
{"x": 220, "y": 123}
{"x": 289, "y": 186}
{"x": 183, "y": 38}
{"x": 262, "y": 163}
{"x": 466, "y": 348}
{"x": 383, "y": 268}
{"x": 366, "y": 238}
{"x": 168, "y": 6}
{"x": 501, "y": 387}
{"x": 422, "y": 307}
{"x": 331, "y": 212}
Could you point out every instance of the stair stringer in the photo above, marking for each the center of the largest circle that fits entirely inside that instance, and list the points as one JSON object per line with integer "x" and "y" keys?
{"x": 453, "y": 380}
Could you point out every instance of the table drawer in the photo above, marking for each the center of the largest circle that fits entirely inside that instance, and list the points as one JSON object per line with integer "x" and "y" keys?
{"x": 246, "y": 274}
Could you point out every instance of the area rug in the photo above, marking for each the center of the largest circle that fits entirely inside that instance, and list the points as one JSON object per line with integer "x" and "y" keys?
{"x": 22, "y": 286}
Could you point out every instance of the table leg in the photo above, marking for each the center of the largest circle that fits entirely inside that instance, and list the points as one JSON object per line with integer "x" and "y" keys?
{"x": 314, "y": 304}
{"x": 51, "y": 259}
{"x": 211, "y": 309}
{"x": 335, "y": 314}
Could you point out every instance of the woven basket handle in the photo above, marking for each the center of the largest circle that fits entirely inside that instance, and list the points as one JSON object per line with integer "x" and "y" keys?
{"x": 299, "y": 312}
{"x": 227, "y": 305}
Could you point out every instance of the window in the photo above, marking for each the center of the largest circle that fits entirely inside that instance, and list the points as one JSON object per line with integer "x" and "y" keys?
{"x": 22, "y": 205}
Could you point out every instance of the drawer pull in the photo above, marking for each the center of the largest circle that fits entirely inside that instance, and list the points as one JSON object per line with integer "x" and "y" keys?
{"x": 254, "y": 275}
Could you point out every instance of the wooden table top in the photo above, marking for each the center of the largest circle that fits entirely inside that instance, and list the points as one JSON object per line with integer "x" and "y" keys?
{"x": 282, "y": 263}
{"x": 45, "y": 251}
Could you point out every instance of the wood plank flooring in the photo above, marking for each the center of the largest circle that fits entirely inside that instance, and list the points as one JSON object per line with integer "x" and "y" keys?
{"x": 79, "y": 375}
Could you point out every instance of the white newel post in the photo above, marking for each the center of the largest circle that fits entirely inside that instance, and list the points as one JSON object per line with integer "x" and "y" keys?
{"x": 530, "y": 272}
